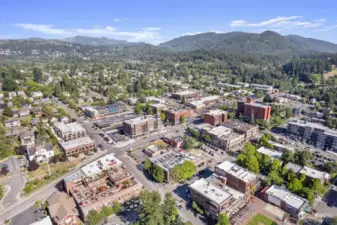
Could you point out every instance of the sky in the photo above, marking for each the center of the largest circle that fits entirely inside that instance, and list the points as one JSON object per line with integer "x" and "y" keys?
{"x": 157, "y": 21}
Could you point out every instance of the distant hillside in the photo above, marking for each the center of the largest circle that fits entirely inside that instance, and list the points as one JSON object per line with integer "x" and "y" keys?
{"x": 98, "y": 41}
{"x": 266, "y": 42}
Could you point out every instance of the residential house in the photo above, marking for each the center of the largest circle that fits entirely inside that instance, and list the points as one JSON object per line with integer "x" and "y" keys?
{"x": 27, "y": 138}
{"x": 40, "y": 153}
{"x": 12, "y": 123}
{"x": 36, "y": 94}
{"x": 24, "y": 112}
{"x": 37, "y": 112}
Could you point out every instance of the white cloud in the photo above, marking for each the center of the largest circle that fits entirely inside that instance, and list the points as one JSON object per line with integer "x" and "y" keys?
{"x": 151, "y": 28}
{"x": 150, "y": 35}
{"x": 282, "y": 22}
{"x": 117, "y": 20}
{"x": 192, "y": 33}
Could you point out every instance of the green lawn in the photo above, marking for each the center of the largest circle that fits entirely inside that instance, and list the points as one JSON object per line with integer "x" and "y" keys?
{"x": 260, "y": 219}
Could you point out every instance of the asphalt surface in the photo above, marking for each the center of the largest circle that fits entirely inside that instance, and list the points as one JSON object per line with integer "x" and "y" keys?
{"x": 15, "y": 182}
{"x": 42, "y": 194}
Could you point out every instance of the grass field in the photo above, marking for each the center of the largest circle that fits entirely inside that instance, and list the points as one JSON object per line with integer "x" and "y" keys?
{"x": 332, "y": 73}
{"x": 43, "y": 169}
{"x": 260, "y": 219}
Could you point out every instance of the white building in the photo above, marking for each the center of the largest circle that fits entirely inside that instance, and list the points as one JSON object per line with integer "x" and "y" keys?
{"x": 315, "y": 174}
{"x": 36, "y": 94}
{"x": 44, "y": 221}
{"x": 273, "y": 154}
{"x": 12, "y": 123}
{"x": 40, "y": 153}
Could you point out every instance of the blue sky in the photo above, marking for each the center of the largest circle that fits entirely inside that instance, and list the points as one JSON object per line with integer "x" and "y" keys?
{"x": 157, "y": 21}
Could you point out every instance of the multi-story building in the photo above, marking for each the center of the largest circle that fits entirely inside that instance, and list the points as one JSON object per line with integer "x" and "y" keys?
{"x": 284, "y": 199}
{"x": 168, "y": 160}
{"x": 315, "y": 174}
{"x": 158, "y": 107}
{"x": 313, "y": 133}
{"x": 76, "y": 146}
{"x": 248, "y": 130}
{"x": 215, "y": 197}
{"x": 141, "y": 126}
{"x": 98, "y": 112}
{"x": 69, "y": 131}
{"x": 186, "y": 95}
{"x": 249, "y": 108}
{"x": 173, "y": 116}
{"x": 225, "y": 138}
{"x": 102, "y": 182}
{"x": 202, "y": 102}
{"x": 238, "y": 178}
{"x": 62, "y": 209}
{"x": 215, "y": 117}
{"x": 270, "y": 152}
{"x": 265, "y": 88}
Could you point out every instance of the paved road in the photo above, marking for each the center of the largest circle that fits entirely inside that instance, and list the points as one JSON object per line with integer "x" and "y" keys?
{"x": 16, "y": 182}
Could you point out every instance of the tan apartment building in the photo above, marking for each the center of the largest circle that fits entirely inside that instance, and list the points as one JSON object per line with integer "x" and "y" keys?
{"x": 141, "y": 126}
{"x": 69, "y": 131}
{"x": 188, "y": 94}
{"x": 248, "y": 130}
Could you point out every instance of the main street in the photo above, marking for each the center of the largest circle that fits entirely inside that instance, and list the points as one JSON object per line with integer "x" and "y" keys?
{"x": 45, "y": 192}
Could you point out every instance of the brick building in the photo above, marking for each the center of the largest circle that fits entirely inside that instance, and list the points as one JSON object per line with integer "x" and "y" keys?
{"x": 237, "y": 177}
{"x": 173, "y": 116}
{"x": 249, "y": 108}
{"x": 77, "y": 146}
{"x": 215, "y": 117}
{"x": 141, "y": 126}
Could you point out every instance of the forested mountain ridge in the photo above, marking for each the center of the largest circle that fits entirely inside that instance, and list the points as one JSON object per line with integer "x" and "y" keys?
{"x": 266, "y": 42}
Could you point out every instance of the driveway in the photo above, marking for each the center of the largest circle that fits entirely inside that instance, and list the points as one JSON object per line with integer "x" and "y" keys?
{"x": 16, "y": 182}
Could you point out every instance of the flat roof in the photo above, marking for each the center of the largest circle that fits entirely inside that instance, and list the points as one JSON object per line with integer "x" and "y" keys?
{"x": 237, "y": 171}
{"x": 313, "y": 126}
{"x": 220, "y": 131}
{"x": 258, "y": 105}
{"x": 286, "y": 196}
{"x": 139, "y": 120}
{"x": 267, "y": 151}
{"x": 107, "y": 121}
{"x": 100, "y": 164}
{"x": 313, "y": 173}
{"x": 187, "y": 92}
{"x": 77, "y": 142}
{"x": 210, "y": 191}
{"x": 170, "y": 159}
{"x": 216, "y": 112}
{"x": 210, "y": 98}
{"x": 69, "y": 127}
{"x": 294, "y": 167}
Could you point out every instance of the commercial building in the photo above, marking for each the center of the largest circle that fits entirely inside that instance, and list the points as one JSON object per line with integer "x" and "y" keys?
{"x": 215, "y": 197}
{"x": 258, "y": 111}
{"x": 175, "y": 141}
{"x": 69, "y": 131}
{"x": 168, "y": 160}
{"x": 203, "y": 102}
{"x": 225, "y": 138}
{"x": 248, "y": 130}
{"x": 114, "y": 121}
{"x": 153, "y": 150}
{"x": 313, "y": 133}
{"x": 40, "y": 153}
{"x": 44, "y": 221}
{"x": 269, "y": 152}
{"x": 102, "y": 182}
{"x": 157, "y": 107}
{"x": 238, "y": 178}
{"x": 141, "y": 126}
{"x": 186, "y": 95}
{"x": 215, "y": 117}
{"x": 97, "y": 112}
{"x": 284, "y": 199}
{"x": 173, "y": 116}
{"x": 76, "y": 146}
{"x": 62, "y": 209}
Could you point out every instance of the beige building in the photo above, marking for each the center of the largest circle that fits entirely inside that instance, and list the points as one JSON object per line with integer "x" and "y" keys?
{"x": 141, "y": 126}
{"x": 62, "y": 209}
{"x": 215, "y": 197}
{"x": 248, "y": 130}
{"x": 69, "y": 131}
{"x": 77, "y": 146}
